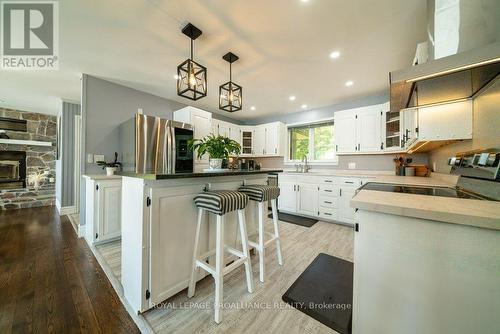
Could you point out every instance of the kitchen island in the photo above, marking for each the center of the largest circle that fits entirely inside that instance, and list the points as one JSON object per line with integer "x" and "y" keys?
{"x": 158, "y": 229}
{"x": 430, "y": 264}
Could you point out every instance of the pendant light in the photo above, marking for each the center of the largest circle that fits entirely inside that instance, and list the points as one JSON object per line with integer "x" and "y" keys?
{"x": 191, "y": 76}
{"x": 230, "y": 94}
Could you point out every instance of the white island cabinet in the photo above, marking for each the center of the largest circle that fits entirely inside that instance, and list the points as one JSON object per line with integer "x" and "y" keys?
{"x": 158, "y": 231}
{"x": 425, "y": 275}
{"x": 102, "y": 210}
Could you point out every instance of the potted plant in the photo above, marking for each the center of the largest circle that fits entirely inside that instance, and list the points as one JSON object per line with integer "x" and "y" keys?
{"x": 110, "y": 167}
{"x": 217, "y": 147}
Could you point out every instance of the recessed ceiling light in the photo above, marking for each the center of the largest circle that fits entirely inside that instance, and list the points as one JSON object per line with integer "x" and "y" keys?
{"x": 349, "y": 83}
{"x": 304, "y": 0}
{"x": 304, "y": 106}
{"x": 252, "y": 108}
{"x": 335, "y": 54}
{"x": 292, "y": 98}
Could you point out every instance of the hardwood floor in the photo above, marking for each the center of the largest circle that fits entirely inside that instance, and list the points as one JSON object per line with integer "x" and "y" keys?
{"x": 263, "y": 311}
{"x": 49, "y": 280}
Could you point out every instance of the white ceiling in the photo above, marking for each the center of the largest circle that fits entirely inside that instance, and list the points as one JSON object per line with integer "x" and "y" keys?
{"x": 283, "y": 45}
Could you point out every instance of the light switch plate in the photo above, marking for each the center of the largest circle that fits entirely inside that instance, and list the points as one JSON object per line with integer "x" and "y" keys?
{"x": 98, "y": 157}
{"x": 351, "y": 165}
{"x": 90, "y": 158}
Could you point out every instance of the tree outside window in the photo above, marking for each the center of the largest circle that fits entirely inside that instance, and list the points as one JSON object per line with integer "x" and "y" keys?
{"x": 314, "y": 141}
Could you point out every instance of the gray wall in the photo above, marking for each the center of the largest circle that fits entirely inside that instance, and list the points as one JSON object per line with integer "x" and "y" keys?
{"x": 105, "y": 106}
{"x": 66, "y": 196}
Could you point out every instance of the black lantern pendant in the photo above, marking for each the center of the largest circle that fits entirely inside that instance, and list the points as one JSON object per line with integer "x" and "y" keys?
{"x": 191, "y": 76}
{"x": 230, "y": 94}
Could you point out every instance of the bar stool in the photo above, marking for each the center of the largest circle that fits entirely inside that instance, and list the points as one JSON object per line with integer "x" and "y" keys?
{"x": 261, "y": 194}
{"x": 221, "y": 202}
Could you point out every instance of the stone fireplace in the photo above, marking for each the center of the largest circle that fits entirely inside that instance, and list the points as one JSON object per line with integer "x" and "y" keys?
{"x": 19, "y": 161}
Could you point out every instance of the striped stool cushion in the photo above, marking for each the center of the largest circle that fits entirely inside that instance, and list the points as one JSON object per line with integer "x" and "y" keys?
{"x": 260, "y": 193}
{"x": 221, "y": 201}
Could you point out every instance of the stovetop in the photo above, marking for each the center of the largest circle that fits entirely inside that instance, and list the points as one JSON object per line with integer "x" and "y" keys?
{"x": 417, "y": 190}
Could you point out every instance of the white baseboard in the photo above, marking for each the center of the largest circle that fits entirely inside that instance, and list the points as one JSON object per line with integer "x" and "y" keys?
{"x": 65, "y": 210}
{"x": 81, "y": 231}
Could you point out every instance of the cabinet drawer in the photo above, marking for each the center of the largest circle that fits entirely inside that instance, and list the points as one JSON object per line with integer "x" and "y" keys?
{"x": 328, "y": 202}
{"x": 350, "y": 181}
{"x": 327, "y": 190}
{"x": 329, "y": 214}
{"x": 329, "y": 180}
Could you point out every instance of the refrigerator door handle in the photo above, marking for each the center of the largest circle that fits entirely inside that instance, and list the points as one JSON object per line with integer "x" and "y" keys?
{"x": 173, "y": 150}
{"x": 164, "y": 148}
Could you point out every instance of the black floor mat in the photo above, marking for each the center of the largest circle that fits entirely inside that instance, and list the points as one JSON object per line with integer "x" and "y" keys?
{"x": 297, "y": 220}
{"x": 324, "y": 292}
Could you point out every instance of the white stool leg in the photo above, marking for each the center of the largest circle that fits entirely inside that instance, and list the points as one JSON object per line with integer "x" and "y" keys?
{"x": 262, "y": 248}
{"x": 246, "y": 252}
{"x": 192, "y": 280}
{"x": 219, "y": 266}
{"x": 276, "y": 232}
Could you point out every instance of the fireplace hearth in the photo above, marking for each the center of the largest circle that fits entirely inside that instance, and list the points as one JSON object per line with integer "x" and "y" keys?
{"x": 12, "y": 169}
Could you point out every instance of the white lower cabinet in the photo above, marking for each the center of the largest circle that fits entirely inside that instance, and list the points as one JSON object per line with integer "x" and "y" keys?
{"x": 103, "y": 209}
{"x": 288, "y": 196}
{"x": 346, "y": 213}
{"x": 307, "y": 202}
{"x": 327, "y": 198}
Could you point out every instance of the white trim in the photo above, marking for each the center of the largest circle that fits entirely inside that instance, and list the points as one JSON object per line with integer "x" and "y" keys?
{"x": 58, "y": 206}
{"x": 323, "y": 120}
{"x": 25, "y": 142}
{"x": 67, "y": 210}
{"x": 81, "y": 231}
{"x": 288, "y": 162}
{"x": 77, "y": 150}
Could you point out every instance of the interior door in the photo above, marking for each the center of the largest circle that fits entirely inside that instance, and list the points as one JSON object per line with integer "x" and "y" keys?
{"x": 345, "y": 132}
{"x": 287, "y": 201}
{"x": 308, "y": 200}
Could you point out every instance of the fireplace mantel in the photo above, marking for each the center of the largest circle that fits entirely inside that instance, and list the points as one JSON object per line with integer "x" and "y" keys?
{"x": 25, "y": 142}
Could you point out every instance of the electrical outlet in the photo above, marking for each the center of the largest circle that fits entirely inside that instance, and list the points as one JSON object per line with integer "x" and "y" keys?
{"x": 351, "y": 165}
{"x": 98, "y": 157}
{"x": 90, "y": 158}
{"x": 139, "y": 111}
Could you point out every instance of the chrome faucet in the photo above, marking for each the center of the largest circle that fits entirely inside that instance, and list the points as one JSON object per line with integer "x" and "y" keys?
{"x": 305, "y": 167}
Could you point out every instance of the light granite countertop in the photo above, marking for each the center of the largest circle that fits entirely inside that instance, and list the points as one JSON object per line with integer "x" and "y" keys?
{"x": 472, "y": 212}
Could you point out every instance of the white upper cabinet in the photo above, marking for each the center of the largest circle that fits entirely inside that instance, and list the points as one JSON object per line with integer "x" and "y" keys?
{"x": 201, "y": 121}
{"x": 247, "y": 140}
{"x": 235, "y": 133}
{"x": 359, "y": 130}
{"x": 369, "y": 130}
{"x": 445, "y": 122}
{"x": 345, "y": 132}
{"x": 224, "y": 129}
{"x": 259, "y": 142}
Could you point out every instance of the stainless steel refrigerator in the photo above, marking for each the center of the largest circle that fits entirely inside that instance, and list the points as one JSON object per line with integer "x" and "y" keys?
{"x": 152, "y": 145}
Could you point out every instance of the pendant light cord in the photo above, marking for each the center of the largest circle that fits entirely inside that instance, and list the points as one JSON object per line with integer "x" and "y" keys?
{"x": 191, "y": 49}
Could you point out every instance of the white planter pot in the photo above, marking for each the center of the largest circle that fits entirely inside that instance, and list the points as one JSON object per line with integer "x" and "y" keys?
{"x": 215, "y": 163}
{"x": 110, "y": 171}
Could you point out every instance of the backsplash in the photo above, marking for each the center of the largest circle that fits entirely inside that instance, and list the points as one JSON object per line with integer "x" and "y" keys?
{"x": 39, "y": 159}
{"x": 375, "y": 162}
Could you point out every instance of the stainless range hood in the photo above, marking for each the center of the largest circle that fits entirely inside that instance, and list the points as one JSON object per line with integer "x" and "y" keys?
{"x": 448, "y": 79}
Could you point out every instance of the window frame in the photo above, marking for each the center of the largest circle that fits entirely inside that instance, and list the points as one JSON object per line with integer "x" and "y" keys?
{"x": 288, "y": 161}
